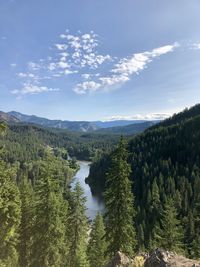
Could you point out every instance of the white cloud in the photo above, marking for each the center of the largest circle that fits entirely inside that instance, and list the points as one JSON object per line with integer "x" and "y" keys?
{"x": 149, "y": 116}
{"x": 63, "y": 65}
{"x": 26, "y": 75}
{"x": 82, "y": 50}
{"x": 30, "y": 89}
{"x": 124, "y": 69}
{"x": 138, "y": 61}
{"x": 196, "y": 45}
{"x": 13, "y": 65}
{"x": 90, "y": 86}
{"x": 34, "y": 66}
{"x": 61, "y": 46}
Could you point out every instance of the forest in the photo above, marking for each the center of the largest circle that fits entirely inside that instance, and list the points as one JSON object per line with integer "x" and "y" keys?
{"x": 165, "y": 168}
{"x": 150, "y": 183}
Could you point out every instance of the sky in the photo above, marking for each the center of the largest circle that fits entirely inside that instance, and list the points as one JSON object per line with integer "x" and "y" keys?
{"x": 99, "y": 60}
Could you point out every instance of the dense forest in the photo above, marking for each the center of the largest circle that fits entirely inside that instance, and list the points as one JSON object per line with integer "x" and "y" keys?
{"x": 165, "y": 163}
{"x": 151, "y": 187}
{"x": 25, "y": 142}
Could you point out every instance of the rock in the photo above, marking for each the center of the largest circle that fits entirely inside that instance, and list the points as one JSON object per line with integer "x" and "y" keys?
{"x": 120, "y": 260}
{"x": 158, "y": 258}
{"x": 161, "y": 258}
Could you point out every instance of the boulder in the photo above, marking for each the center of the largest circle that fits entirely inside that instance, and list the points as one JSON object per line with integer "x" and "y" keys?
{"x": 158, "y": 258}
{"x": 120, "y": 260}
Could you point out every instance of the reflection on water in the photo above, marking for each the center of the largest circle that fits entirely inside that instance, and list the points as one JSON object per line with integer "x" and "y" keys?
{"x": 93, "y": 203}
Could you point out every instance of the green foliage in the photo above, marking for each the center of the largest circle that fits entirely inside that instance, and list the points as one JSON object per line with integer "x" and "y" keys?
{"x": 119, "y": 200}
{"x": 26, "y": 223}
{"x": 166, "y": 164}
{"x": 170, "y": 234}
{"x": 48, "y": 248}
{"x": 97, "y": 245}
{"x": 78, "y": 228}
{"x": 10, "y": 213}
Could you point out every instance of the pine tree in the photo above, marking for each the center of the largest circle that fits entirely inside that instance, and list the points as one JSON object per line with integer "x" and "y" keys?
{"x": 78, "y": 228}
{"x": 97, "y": 244}
{"x": 48, "y": 247}
{"x": 10, "y": 212}
{"x": 196, "y": 242}
{"x": 170, "y": 236}
{"x": 119, "y": 202}
{"x": 26, "y": 224}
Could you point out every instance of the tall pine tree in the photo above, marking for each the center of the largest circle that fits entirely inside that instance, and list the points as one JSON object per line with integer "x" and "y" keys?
{"x": 78, "y": 228}
{"x": 49, "y": 246}
{"x": 170, "y": 234}
{"x": 10, "y": 213}
{"x": 97, "y": 245}
{"x": 119, "y": 202}
{"x": 26, "y": 224}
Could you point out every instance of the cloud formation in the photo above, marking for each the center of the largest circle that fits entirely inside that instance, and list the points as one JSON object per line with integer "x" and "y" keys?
{"x": 78, "y": 55}
{"x": 73, "y": 54}
{"x": 149, "y": 116}
{"x": 32, "y": 89}
{"x": 124, "y": 69}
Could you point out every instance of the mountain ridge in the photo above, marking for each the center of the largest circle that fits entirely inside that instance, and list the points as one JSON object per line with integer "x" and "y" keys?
{"x": 86, "y": 126}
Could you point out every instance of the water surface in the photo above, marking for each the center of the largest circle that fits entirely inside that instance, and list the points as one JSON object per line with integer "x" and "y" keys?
{"x": 94, "y": 204}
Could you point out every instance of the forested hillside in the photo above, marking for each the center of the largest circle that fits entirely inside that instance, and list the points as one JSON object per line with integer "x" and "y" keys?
{"x": 26, "y": 142}
{"x": 165, "y": 163}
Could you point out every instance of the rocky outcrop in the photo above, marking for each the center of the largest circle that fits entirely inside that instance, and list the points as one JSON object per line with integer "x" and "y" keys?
{"x": 157, "y": 258}
{"x": 161, "y": 258}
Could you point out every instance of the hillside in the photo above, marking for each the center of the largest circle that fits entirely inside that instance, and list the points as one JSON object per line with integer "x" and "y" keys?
{"x": 131, "y": 129}
{"x": 5, "y": 117}
{"x": 165, "y": 163}
{"x": 26, "y": 142}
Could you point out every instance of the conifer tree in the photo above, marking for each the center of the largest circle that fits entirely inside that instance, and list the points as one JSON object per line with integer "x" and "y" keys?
{"x": 170, "y": 236}
{"x": 196, "y": 241}
{"x": 10, "y": 213}
{"x": 77, "y": 230}
{"x": 119, "y": 202}
{"x": 26, "y": 224}
{"x": 97, "y": 244}
{"x": 48, "y": 247}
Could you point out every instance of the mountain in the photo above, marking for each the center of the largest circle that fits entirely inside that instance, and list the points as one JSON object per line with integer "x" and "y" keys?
{"x": 82, "y": 126}
{"x": 116, "y": 123}
{"x": 5, "y": 117}
{"x": 86, "y": 126}
{"x": 165, "y": 163}
{"x": 131, "y": 129}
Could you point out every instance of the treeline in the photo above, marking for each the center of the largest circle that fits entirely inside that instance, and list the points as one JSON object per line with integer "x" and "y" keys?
{"x": 165, "y": 163}
{"x": 25, "y": 142}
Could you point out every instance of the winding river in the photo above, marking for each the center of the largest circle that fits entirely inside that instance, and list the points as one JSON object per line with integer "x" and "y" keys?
{"x": 93, "y": 204}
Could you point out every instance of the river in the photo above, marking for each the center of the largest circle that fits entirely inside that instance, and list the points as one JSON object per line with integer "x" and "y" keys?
{"x": 94, "y": 204}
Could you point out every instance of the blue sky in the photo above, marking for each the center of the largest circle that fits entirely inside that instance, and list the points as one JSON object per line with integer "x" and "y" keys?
{"x": 89, "y": 60}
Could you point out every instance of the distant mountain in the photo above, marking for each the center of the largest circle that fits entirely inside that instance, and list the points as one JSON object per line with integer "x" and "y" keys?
{"x": 5, "y": 117}
{"x": 86, "y": 126}
{"x": 116, "y": 123}
{"x": 131, "y": 129}
{"x": 81, "y": 126}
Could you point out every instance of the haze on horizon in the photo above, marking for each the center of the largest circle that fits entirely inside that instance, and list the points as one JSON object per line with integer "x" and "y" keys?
{"x": 99, "y": 60}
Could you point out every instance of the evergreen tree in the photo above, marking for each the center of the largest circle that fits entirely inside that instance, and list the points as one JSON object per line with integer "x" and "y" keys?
{"x": 26, "y": 224}
{"x": 77, "y": 230}
{"x": 196, "y": 241}
{"x": 49, "y": 246}
{"x": 97, "y": 244}
{"x": 170, "y": 236}
{"x": 10, "y": 212}
{"x": 119, "y": 202}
